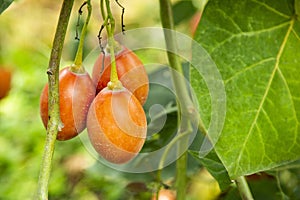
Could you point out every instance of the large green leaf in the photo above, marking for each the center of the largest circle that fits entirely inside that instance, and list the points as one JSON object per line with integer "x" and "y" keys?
{"x": 4, "y": 4}
{"x": 256, "y": 47}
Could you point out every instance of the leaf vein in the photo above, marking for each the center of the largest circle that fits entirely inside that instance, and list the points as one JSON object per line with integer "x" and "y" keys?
{"x": 271, "y": 8}
{"x": 296, "y": 34}
{"x": 270, "y": 122}
{"x": 224, "y": 30}
{"x": 245, "y": 69}
{"x": 231, "y": 20}
{"x": 276, "y": 67}
{"x": 250, "y": 33}
{"x": 293, "y": 104}
{"x": 262, "y": 144}
{"x": 289, "y": 93}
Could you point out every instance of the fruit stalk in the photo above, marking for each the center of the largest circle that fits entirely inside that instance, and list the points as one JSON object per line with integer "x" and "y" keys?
{"x": 102, "y": 10}
{"x": 186, "y": 106}
{"x": 54, "y": 115}
{"x": 111, "y": 44}
{"x": 79, "y": 54}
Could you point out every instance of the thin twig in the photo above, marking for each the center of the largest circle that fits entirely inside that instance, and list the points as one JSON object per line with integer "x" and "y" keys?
{"x": 79, "y": 53}
{"x": 78, "y": 20}
{"x": 101, "y": 47}
{"x": 122, "y": 17}
{"x": 100, "y": 38}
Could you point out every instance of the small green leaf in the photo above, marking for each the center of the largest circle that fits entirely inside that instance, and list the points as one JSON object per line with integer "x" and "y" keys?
{"x": 256, "y": 47}
{"x": 164, "y": 136}
{"x": 4, "y": 4}
{"x": 215, "y": 168}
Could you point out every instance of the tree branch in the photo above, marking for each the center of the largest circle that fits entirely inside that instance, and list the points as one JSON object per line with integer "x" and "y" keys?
{"x": 54, "y": 122}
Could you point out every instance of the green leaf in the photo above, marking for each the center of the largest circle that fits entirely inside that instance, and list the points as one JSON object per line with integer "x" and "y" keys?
{"x": 256, "y": 47}
{"x": 164, "y": 136}
{"x": 215, "y": 168}
{"x": 183, "y": 10}
{"x": 4, "y": 4}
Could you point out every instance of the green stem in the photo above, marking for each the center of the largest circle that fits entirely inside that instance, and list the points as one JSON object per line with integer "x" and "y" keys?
{"x": 166, "y": 152}
{"x": 243, "y": 188}
{"x": 54, "y": 121}
{"x": 114, "y": 80}
{"x": 186, "y": 108}
{"x": 181, "y": 166}
{"x": 102, "y": 10}
{"x": 174, "y": 60}
{"x": 79, "y": 54}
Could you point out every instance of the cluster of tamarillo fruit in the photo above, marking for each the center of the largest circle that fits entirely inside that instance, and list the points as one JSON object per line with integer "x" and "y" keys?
{"x": 114, "y": 116}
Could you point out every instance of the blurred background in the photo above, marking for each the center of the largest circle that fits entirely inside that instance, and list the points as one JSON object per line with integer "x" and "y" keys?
{"x": 27, "y": 29}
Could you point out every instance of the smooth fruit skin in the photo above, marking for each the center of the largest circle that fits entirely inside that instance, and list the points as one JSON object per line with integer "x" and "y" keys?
{"x": 131, "y": 73}
{"x": 117, "y": 125}
{"x": 5, "y": 81}
{"x": 76, "y": 92}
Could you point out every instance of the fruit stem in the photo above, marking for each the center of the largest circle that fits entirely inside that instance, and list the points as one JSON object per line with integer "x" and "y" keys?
{"x": 77, "y": 67}
{"x": 110, "y": 27}
{"x": 54, "y": 116}
{"x": 102, "y": 10}
{"x": 243, "y": 188}
{"x": 186, "y": 108}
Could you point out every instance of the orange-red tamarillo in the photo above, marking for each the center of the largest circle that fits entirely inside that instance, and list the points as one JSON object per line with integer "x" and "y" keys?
{"x": 131, "y": 73}
{"x": 76, "y": 92}
{"x": 116, "y": 125}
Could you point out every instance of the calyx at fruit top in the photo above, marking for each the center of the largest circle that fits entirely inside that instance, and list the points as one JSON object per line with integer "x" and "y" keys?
{"x": 117, "y": 85}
